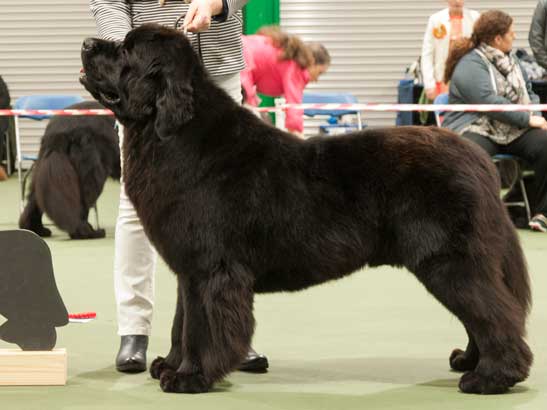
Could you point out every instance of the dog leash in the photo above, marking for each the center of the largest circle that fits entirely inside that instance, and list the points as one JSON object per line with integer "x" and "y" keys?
{"x": 185, "y": 32}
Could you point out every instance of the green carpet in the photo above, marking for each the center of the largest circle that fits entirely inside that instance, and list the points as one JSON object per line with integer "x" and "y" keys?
{"x": 375, "y": 340}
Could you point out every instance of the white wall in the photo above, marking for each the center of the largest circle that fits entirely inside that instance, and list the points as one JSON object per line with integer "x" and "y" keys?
{"x": 372, "y": 41}
{"x": 40, "y": 51}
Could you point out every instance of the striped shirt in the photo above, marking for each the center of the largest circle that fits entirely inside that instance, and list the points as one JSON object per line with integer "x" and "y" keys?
{"x": 220, "y": 45}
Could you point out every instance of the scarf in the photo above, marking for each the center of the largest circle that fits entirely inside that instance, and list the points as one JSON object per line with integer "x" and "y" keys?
{"x": 510, "y": 84}
{"x": 513, "y": 86}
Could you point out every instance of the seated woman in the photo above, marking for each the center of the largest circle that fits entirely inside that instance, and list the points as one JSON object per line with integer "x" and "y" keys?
{"x": 280, "y": 64}
{"x": 482, "y": 70}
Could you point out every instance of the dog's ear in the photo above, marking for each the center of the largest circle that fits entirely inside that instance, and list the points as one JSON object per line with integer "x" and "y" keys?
{"x": 174, "y": 104}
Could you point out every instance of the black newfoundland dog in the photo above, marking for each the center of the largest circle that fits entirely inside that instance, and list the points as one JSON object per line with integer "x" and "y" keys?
{"x": 76, "y": 156}
{"x": 237, "y": 207}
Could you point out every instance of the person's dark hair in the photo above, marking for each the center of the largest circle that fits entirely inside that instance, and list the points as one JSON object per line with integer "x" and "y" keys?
{"x": 490, "y": 24}
{"x": 305, "y": 55}
{"x": 5, "y": 99}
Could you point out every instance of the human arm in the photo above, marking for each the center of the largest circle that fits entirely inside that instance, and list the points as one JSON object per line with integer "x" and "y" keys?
{"x": 534, "y": 98}
{"x": 249, "y": 88}
{"x": 202, "y": 12}
{"x": 112, "y": 17}
{"x": 427, "y": 62}
{"x": 537, "y": 35}
{"x": 473, "y": 82}
{"x": 294, "y": 81}
{"x": 536, "y": 119}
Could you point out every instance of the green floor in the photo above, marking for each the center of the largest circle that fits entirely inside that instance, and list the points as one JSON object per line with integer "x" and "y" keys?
{"x": 376, "y": 340}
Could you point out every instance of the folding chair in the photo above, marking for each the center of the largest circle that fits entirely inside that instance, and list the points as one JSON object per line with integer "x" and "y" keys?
{"x": 443, "y": 99}
{"x": 38, "y": 102}
{"x": 519, "y": 179}
{"x": 334, "y": 114}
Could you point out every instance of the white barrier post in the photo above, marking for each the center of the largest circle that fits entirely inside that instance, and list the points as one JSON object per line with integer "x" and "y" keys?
{"x": 280, "y": 113}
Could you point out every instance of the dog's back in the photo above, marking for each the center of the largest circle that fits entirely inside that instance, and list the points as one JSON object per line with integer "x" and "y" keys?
{"x": 400, "y": 194}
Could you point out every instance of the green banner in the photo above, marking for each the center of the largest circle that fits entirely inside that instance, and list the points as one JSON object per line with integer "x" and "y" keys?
{"x": 258, "y": 13}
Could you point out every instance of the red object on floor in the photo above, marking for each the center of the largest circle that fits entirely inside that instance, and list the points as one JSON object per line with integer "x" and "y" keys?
{"x": 86, "y": 315}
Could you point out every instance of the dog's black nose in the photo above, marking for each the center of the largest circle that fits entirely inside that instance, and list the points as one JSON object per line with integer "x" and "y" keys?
{"x": 88, "y": 44}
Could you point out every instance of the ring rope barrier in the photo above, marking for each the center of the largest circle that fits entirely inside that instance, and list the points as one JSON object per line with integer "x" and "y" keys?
{"x": 326, "y": 107}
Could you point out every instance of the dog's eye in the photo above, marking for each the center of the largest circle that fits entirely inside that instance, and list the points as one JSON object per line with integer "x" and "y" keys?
{"x": 110, "y": 97}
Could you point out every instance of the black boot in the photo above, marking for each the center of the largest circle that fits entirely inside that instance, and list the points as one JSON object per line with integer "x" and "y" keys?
{"x": 132, "y": 355}
{"x": 254, "y": 362}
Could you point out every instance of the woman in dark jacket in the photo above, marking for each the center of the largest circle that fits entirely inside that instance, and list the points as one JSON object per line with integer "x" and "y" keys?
{"x": 538, "y": 33}
{"x": 482, "y": 70}
{"x": 4, "y": 123}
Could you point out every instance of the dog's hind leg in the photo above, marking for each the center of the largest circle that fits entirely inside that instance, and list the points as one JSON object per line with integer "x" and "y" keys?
{"x": 473, "y": 289}
{"x": 174, "y": 358}
{"x": 84, "y": 230}
{"x": 31, "y": 218}
{"x": 93, "y": 177}
{"x": 217, "y": 329}
{"x": 462, "y": 361}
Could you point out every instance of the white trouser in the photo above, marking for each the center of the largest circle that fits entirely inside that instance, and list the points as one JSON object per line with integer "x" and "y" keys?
{"x": 135, "y": 258}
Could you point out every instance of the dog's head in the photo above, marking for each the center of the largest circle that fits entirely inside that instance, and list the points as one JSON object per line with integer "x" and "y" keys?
{"x": 145, "y": 78}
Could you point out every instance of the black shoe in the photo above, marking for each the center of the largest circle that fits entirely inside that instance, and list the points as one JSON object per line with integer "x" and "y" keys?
{"x": 254, "y": 362}
{"x": 132, "y": 355}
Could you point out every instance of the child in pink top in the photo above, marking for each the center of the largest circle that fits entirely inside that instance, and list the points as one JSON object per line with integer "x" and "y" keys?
{"x": 278, "y": 64}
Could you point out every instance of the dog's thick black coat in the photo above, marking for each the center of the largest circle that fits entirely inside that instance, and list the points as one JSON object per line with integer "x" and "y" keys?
{"x": 236, "y": 207}
{"x": 76, "y": 156}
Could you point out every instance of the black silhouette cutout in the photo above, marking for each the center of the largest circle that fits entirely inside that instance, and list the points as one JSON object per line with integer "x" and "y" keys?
{"x": 29, "y": 298}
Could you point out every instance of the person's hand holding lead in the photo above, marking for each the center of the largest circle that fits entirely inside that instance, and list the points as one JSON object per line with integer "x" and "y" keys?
{"x": 200, "y": 12}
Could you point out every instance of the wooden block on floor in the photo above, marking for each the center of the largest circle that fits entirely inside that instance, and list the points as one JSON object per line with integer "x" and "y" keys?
{"x": 20, "y": 368}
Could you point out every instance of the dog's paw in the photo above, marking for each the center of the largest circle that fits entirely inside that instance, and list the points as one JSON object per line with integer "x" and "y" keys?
{"x": 461, "y": 362}
{"x": 99, "y": 233}
{"x": 158, "y": 366}
{"x": 476, "y": 383}
{"x": 173, "y": 382}
{"x": 88, "y": 234}
{"x": 43, "y": 232}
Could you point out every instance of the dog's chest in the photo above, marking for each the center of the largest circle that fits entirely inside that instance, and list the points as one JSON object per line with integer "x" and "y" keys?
{"x": 156, "y": 177}
{"x": 141, "y": 171}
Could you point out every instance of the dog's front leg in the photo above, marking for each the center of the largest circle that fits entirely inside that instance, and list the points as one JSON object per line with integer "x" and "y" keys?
{"x": 217, "y": 330}
{"x": 174, "y": 358}
{"x": 463, "y": 361}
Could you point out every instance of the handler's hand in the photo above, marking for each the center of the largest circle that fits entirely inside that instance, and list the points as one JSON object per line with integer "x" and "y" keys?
{"x": 431, "y": 93}
{"x": 198, "y": 17}
{"x": 537, "y": 121}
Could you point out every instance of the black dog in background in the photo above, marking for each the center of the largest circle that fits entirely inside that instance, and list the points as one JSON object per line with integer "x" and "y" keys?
{"x": 76, "y": 156}
{"x": 237, "y": 207}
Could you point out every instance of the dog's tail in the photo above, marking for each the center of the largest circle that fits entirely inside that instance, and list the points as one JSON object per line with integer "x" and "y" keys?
{"x": 515, "y": 271}
{"x": 58, "y": 190}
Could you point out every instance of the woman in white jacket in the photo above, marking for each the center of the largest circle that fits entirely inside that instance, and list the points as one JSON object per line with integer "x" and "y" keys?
{"x": 443, "y": 28}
